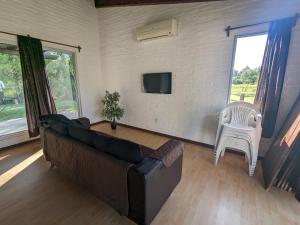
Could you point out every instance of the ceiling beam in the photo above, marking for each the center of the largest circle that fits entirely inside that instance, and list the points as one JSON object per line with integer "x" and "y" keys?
{"x": 114, "y": 3}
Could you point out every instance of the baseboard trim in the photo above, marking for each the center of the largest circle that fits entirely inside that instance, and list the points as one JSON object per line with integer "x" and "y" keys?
{"x": 159, "y": 133}
{"x": 145, "y": 130}
{"x": 169, "y": 136}
{"x": 99, "y": 122}
{"x": 174, "y": 137}
{"x": 19, "y": 144}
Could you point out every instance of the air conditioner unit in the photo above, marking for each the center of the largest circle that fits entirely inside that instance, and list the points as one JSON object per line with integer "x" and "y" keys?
{"x": 166, "y": 28}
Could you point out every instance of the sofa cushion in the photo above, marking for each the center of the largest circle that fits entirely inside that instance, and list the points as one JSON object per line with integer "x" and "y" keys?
{"x": 55, "y": 118}
{"x": 84, "y": 135}
{"x": 60, "y": 128}
{"x": 101, "y": 142}
{"x": 82, "y": 122}
{"x": 125, "y": 150}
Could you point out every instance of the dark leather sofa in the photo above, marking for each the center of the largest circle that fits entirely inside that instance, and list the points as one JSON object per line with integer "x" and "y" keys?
{"x": 133, "y": 179}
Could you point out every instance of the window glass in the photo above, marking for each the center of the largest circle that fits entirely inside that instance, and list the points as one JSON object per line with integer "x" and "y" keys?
{"x": 248, "y": 58}
{"x": 12, "y": 109}
{"x": 60, "y": 68}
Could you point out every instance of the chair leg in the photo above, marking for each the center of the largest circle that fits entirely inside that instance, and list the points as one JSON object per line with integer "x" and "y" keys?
{"x": 52, "y": 165}
{"x": 217, "y": 155}
{"x": 218, "y": 150}
{"x": 223, "y": 152}
{"x": 253, "y": 161}
{"x": 252, "y": 169}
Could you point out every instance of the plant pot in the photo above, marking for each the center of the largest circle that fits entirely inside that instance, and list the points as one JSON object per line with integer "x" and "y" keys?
{"x": 113, "y": 124}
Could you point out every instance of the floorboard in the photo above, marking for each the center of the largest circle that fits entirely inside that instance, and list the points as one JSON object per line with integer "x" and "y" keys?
{"x": 33, "y": 194}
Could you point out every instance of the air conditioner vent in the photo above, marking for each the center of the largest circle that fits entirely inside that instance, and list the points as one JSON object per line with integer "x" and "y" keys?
{"x": 166, "y": 28}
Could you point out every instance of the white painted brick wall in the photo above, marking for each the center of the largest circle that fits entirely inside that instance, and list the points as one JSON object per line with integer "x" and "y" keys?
{"x": 199, "y": 57}
{"x": 66, "y": 21}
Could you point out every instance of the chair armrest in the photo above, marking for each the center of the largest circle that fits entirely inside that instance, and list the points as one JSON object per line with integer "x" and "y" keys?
{"x": 259, "y": 118}
{"x": 168, "y": 153}
{"x": 223, "y": 118}
{"x": 258, "y": 126}
{"x": 83, "y": 121}
{"x": 220, "y": 123}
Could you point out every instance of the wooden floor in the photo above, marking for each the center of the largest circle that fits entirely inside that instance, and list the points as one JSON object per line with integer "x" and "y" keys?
{"x": 32, "y": 194}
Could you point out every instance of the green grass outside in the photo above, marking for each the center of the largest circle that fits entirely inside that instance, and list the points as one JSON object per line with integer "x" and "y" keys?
{"x": 66, "y": 106}
{"x": 12, "y": 111}
{"x": 10, "y": 92}
{"x": 15, "y": 111}
{"x": 248, "y": 89}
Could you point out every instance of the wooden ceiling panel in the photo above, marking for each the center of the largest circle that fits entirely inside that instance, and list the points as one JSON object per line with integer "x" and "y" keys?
{"x": 114, "y": 3}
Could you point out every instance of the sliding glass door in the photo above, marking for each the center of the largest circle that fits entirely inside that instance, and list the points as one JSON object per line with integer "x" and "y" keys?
{"x": 12, "y": 110}
{"x": 60, "y": 67}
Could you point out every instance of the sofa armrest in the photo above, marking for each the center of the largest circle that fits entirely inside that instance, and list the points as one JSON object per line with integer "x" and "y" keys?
{"x": 149, "y": 186}
{"x": 167, "y": 153}
{"x": 83, "y": 121}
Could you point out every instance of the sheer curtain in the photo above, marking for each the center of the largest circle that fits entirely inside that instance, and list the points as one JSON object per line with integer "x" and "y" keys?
{"x": 37, "y": 93}
{"x": 272, "y": 72}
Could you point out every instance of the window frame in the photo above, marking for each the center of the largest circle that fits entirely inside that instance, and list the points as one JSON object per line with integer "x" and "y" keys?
{"x": 22, "y": 136}
{"x": 236, "y": 37}
{"x": 68, "y": 50}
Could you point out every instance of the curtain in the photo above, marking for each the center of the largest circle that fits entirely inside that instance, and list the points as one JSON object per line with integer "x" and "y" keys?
{"x": 37, "y": 93}
{"x": 272, "y": 73}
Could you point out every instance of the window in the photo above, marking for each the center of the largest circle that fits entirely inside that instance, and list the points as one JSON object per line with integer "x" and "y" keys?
{"x": 249, "y": 52}
{"x": 12, "y": 109}
{"x": 60, "y": 68}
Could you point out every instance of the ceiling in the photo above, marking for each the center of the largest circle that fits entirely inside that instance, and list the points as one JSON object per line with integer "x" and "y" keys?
{"x": 114, "y": 3}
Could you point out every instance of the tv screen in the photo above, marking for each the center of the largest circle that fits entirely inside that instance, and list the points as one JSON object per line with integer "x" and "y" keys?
{"x": 158, "y": 83}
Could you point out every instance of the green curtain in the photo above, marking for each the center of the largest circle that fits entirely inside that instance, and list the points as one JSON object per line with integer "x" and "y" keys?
{"x": 37, "y": 93}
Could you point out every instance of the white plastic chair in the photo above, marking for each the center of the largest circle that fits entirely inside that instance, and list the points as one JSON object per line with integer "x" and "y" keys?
{"x": 239, "y": 129}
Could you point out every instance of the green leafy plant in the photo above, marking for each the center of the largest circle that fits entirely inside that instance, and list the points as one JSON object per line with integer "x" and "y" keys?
{"x": 111, "y": 108}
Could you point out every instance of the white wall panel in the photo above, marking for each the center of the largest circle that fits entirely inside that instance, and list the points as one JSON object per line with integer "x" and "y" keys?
{"x": 199, "y": 57}
{"x": 67, "y": 21}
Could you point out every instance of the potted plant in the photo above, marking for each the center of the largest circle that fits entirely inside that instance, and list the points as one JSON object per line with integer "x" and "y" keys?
{"x": 112, "y": 110}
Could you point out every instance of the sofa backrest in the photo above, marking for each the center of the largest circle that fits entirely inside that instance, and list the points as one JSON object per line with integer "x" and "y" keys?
{"x": 102, "y": 174}
{"x": 55, "y": 118}
{"x": 121, "y": 149}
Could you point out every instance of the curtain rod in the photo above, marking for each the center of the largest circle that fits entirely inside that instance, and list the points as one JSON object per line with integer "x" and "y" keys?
{"x": 53, "y": 42}
{"x": 229, "y": 28}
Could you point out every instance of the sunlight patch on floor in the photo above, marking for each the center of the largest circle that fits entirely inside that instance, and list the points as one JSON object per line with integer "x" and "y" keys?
{"x": 8, "y": 175}
{"x": 3, "y": 157}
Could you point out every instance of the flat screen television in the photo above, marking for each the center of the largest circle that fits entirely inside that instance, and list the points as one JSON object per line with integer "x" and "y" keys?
{"x": 158, "y": 83}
